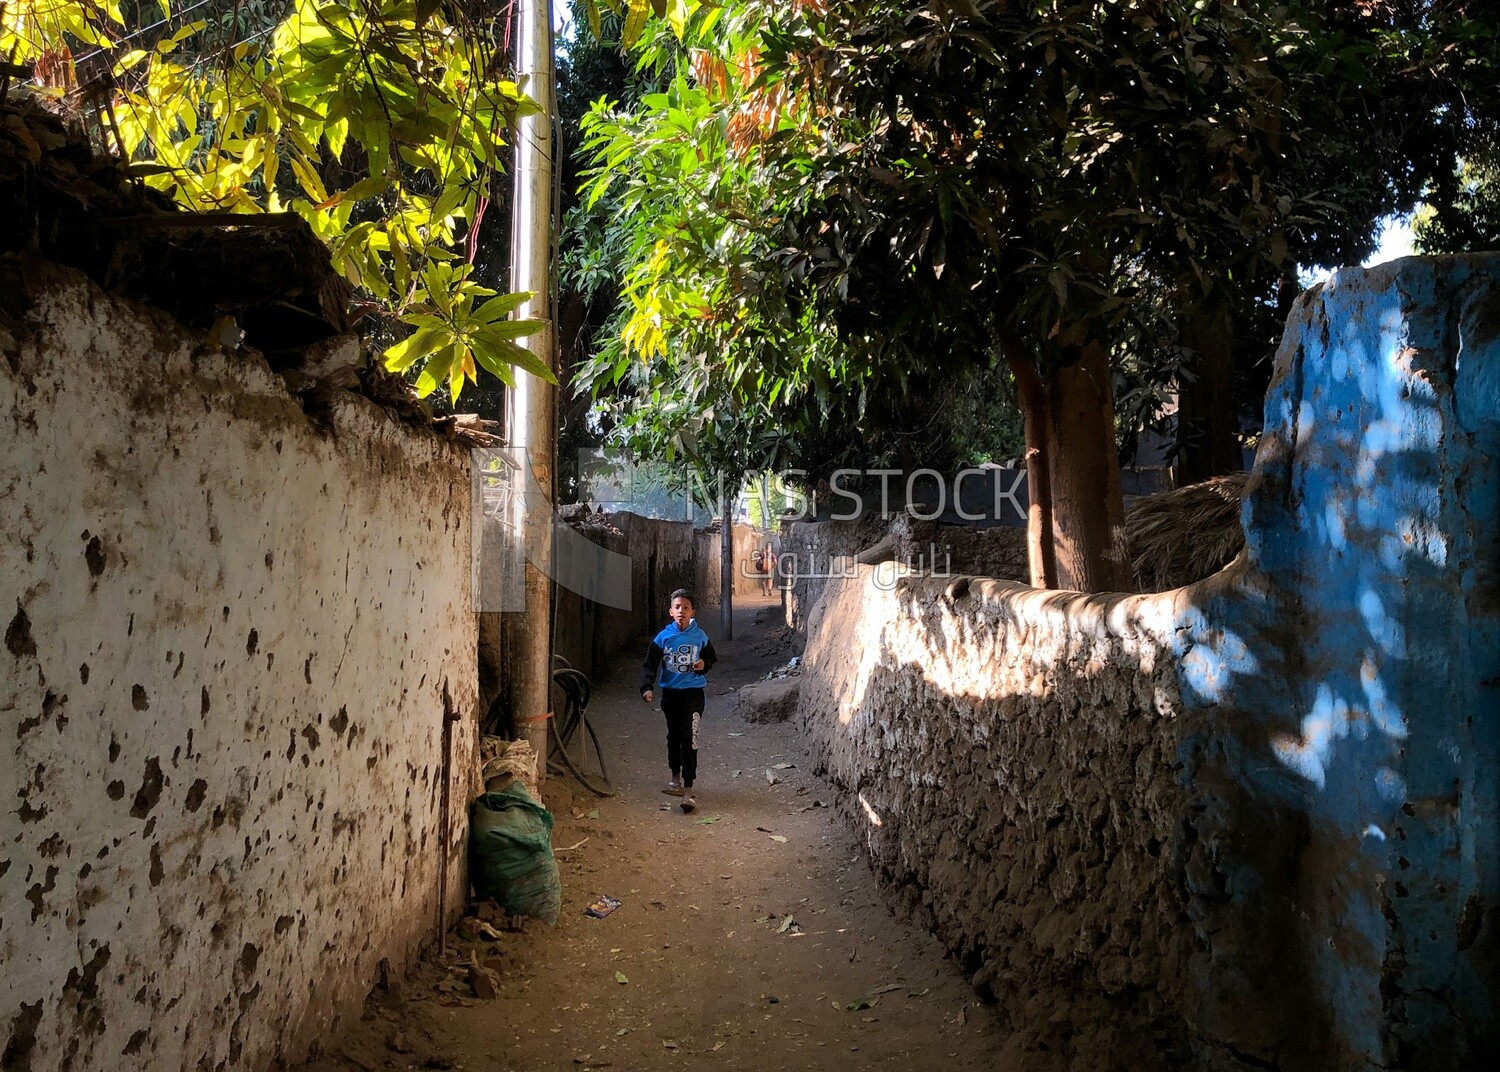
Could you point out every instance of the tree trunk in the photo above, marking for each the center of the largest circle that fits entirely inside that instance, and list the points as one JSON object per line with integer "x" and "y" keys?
{"x": 1038, "y": 483}
{"x": 1087, "y": 512}
{"x": 1207, "y": 416}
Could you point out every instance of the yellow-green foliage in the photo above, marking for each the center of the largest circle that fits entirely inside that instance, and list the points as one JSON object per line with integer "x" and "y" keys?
{"x": 379, "y": 122}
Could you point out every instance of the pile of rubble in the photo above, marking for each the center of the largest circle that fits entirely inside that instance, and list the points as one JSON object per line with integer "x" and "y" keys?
{"x": 476, "y": 963}
{"x": 774, "y": 697}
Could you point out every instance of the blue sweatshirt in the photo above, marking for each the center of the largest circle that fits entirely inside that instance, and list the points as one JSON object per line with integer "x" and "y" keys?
{"x": 672, "y": 654}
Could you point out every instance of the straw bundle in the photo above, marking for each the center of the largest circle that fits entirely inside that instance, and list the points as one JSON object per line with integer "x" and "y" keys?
{"x": 1183, "y": 536}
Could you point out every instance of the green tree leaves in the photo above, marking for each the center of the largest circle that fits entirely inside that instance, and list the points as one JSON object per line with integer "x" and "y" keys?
{"x": 831, "y": 206}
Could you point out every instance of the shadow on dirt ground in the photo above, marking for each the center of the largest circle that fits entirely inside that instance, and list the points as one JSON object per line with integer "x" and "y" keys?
{"x": 752, "y": 935}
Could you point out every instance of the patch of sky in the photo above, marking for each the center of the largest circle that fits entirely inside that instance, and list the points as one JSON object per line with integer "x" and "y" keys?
{"x": 1396, "y": 241}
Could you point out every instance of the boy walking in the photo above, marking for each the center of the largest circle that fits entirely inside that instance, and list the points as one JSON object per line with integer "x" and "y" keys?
{"x": 680, "y": 655}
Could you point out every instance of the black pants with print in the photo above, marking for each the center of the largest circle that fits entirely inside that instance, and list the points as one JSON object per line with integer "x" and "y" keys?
{"x": 683, "y": 708}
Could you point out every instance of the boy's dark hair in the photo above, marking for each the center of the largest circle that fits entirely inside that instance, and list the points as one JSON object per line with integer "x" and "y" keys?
{"x": 682, "y": 593}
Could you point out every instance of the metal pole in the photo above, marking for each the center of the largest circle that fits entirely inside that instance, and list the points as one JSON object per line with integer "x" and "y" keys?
{"x": 726, "y": 561}
{"x": 533, "y": 401}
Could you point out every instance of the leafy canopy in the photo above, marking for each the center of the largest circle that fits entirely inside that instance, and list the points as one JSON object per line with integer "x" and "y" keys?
{"x": 705, "y": 356}
{"x": 831, "y": 206}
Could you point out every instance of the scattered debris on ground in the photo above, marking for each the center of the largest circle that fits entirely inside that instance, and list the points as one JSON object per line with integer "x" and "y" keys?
{"x": 751, "y": 936}
{"x": 792, "y": 668}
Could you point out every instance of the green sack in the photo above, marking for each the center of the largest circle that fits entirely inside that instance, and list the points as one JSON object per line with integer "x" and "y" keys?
{"x": 510, "y": 854}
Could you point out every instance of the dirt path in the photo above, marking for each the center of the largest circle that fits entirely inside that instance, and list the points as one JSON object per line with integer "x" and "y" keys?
{"x": 700, "y": 968}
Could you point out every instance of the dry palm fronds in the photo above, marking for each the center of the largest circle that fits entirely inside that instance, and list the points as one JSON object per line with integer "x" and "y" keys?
{"x": 1183, "y": 536}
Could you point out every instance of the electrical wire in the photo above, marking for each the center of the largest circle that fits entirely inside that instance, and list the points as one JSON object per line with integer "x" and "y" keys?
{"x": 577, "y": 691}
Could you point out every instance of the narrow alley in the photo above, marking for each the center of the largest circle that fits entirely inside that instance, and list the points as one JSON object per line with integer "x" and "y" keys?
{"x": 752, "y": 934}
{"x": 1112, "y": 391}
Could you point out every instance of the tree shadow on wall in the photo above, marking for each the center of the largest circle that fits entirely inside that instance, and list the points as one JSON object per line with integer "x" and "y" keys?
{"x": 1252, "y": 819}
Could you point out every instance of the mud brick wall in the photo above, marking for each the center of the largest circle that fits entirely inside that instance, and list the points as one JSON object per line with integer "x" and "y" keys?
{"x": 663, "y": 558}
{"x": 708, "y": 571}
{"x": 1250, "y": 823}
{"x": 809, "y": 548}
{"x": 232, "y": 635}
{"x": 1012, "y": 759}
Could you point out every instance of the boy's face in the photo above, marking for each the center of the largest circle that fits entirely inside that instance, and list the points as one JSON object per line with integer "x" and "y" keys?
{"x": 682, "y": 612}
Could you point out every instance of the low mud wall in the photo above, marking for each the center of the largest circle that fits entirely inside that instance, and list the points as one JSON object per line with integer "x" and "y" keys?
{"x": 1253, "y": 822}
{"x": 812, "y": 551}
{"x": 233, "y": 635}
{"x": 1012, "y": 758}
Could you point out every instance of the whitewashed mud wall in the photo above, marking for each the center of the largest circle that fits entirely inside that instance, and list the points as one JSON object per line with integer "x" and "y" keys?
{"x": 231, "y": 637}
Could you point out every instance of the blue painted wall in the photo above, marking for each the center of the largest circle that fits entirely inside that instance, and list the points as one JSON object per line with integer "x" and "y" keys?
{"x": 1343, "y": 681}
